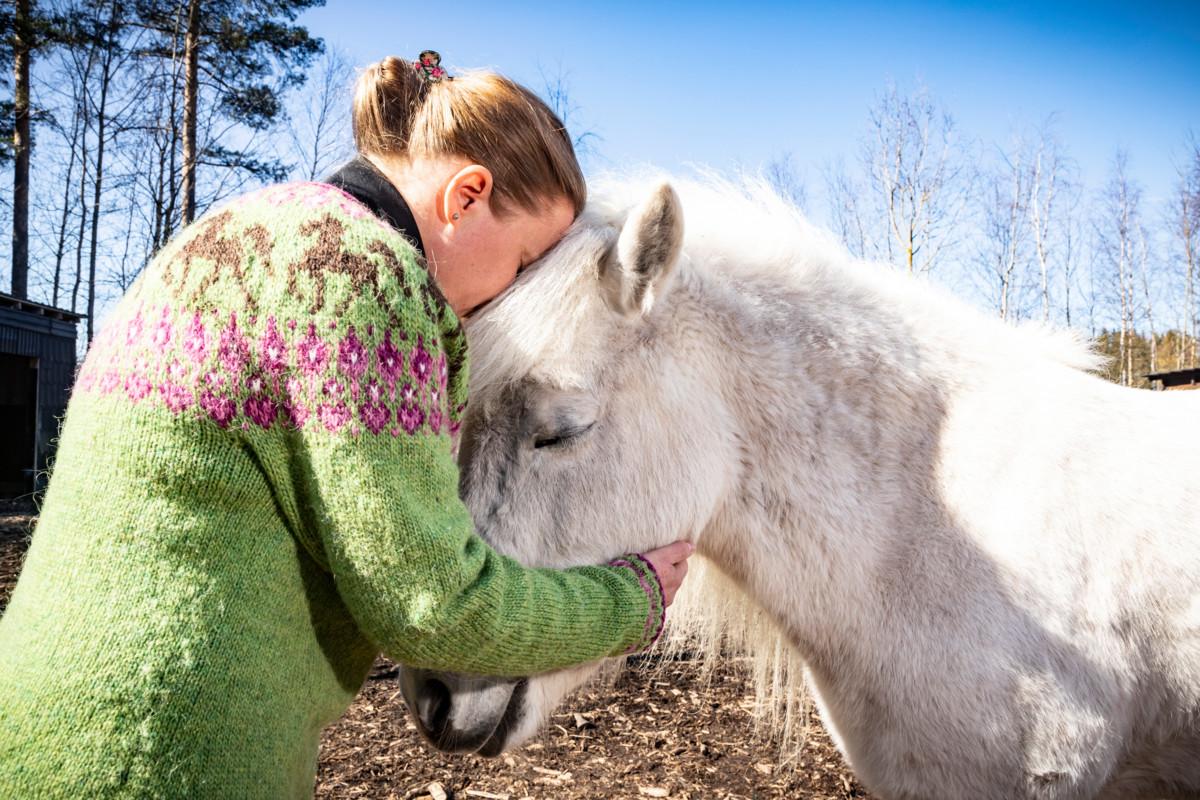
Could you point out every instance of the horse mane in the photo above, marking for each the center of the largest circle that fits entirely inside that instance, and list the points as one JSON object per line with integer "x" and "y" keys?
{"x": 743, "y": 226}
{"x": 715, "y": 622}
{"x": 732, "y": 225}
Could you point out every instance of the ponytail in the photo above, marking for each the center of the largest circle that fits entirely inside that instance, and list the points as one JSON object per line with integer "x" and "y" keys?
{"x": 478, "y": 115}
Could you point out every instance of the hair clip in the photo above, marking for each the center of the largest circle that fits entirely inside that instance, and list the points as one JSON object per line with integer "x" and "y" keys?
{"x": 429, "y": 65}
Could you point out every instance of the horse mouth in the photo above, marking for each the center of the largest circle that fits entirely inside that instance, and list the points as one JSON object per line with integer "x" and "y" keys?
{"x": 494, "y": 745}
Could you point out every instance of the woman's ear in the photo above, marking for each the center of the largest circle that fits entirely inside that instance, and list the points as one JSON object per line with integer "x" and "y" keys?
{"x": 468, "y": 190}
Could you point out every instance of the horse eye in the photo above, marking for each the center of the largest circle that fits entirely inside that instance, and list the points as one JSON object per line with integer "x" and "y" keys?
{"x": 561, "y": 437}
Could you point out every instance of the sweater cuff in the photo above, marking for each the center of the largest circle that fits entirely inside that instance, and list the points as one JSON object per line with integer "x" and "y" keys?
{"x": 651, "y": 584}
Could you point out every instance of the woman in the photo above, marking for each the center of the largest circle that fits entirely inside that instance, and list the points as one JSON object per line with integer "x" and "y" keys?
{"x": 255, "y": 492}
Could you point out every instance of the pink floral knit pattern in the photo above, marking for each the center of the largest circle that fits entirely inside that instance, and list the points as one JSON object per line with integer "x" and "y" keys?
{"x": 261, "y": 372}
{"x": 651, "y": 584}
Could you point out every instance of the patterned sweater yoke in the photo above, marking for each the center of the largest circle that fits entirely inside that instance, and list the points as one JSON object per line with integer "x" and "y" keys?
{"x": 254, "y": 494}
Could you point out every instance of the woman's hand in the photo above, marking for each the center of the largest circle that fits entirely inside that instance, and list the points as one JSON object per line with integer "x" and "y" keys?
{"x": 670, "y": 563}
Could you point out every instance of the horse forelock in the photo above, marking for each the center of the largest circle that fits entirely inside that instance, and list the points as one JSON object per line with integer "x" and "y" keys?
{"x": 546, "y": 322}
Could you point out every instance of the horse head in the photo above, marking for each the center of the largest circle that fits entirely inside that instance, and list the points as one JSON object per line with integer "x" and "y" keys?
{"x": 582, "y": 440}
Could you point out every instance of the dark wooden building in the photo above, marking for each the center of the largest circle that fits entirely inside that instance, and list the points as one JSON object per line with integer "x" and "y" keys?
{"x": 37, "y": 368}
{"x": 1177, "y": 379}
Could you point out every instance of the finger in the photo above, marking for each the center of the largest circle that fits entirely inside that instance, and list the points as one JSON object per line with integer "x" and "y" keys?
{"x": 676, "y": 551}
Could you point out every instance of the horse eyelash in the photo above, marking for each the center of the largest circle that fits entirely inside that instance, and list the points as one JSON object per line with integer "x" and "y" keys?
{"x": 559, "y": 438}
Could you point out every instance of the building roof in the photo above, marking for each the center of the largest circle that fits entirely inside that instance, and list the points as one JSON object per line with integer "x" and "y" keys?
{"x": 1189, "y": 372}
{"x": 8, "y": 301}
{"x": 1176, "y": 375}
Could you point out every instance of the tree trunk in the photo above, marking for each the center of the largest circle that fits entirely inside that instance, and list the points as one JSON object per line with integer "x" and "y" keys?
{"x": 1068, "y": 267}
{"x": 98, "y": 183}
{"x": 1145, "y": 269}
{"x": 191, "y": 90}
{"x": 1041, "y": 251}
{"x": 60, "y": 248}
{"x": 172, "y": 194}
{"x": 85, "y": 109}
{"x": 1125, "y": 314}
{"x": 1193, "y": 316}
{"x": 124, "y": 277}
{"x": 1067, "y": 300}
{"x": 1190, "y": 331}
{"x": 22, "y": 32}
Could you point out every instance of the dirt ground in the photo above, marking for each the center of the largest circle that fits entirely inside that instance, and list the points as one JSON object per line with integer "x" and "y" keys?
{"x": 660, "y": 730}
{"x": 16, "y": 526}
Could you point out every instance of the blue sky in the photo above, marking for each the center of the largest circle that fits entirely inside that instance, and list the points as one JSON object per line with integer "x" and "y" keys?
{"x": 730, "y": 84}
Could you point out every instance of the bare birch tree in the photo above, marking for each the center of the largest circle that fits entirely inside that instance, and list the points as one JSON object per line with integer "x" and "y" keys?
{"x": 845, "y": 199}
{"x": 1145, "y": 267}
{"x": 107, "y": 33}
{"x": 1049, "y": 180}
{"x": 782, "y": 174}
{"x": 1116, "y": 234}
{"x": 1184, "y": 223}
{"x": 918, "y": 174}
{"x": 556, "y": 91}
{"x": 1073, "y": 245}
{"x": 72, "y": 141}
{"x": 319, "y": 123}
{"x": 1006, "y": 226}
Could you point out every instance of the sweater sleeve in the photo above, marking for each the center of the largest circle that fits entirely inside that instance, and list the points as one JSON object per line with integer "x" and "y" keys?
{"x": 430, "y": 592}
{"x": 374, "y": 389}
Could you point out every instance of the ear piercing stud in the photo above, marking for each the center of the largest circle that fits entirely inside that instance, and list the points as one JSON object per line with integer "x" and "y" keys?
{"x": 455, "y": 215}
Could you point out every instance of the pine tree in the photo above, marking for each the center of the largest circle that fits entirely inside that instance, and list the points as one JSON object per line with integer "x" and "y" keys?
{"x": 239, "y": 58}
{"x": 21, "y": 49}
{"x": 25, "y": 31}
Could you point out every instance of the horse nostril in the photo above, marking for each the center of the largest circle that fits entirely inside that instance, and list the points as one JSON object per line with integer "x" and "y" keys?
{"x": 434, "y": 707}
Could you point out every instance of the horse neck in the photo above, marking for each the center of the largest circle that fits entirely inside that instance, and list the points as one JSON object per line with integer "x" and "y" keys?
{"x": 836, "y": 412}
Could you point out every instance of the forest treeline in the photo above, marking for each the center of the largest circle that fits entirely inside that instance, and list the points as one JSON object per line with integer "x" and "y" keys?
{"x": 121, "y": 120}
{"x": 1013, "y": 226}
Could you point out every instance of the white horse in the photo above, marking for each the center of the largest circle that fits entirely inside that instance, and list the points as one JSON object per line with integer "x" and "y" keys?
{"x": 987, "y": 558}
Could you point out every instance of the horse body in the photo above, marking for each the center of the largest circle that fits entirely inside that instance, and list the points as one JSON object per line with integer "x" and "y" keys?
{"x": 987, "y": 559}
{"x": 982, "y": 557}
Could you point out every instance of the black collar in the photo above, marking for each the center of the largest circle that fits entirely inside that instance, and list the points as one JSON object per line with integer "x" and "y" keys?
{"x": 362, "y": 180}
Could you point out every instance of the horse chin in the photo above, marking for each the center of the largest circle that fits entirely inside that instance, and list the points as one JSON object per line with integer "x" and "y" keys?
{"x": 526, "y": 710}
{"x": 462, "y": 713}
{"x": 531, "y": 706}
{"x": 523, "y": 719}
{"x": 496, "y": 744}
{"x": 510, "y": 721}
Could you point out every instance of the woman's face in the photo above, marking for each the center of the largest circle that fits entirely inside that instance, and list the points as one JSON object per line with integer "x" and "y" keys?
{"x": 487, "y": 251}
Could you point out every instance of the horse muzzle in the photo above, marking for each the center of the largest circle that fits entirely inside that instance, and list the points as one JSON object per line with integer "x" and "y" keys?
{"x": 461, "y": 713}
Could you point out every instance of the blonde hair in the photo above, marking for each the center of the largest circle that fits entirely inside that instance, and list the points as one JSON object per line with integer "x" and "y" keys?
{"x": 480, "y": 115}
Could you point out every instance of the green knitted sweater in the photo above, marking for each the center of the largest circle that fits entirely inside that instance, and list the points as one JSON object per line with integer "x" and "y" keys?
{"x": 254, "y": 494}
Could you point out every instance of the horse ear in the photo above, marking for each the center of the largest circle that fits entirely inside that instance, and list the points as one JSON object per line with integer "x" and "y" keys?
{"x": 638, "y": 269}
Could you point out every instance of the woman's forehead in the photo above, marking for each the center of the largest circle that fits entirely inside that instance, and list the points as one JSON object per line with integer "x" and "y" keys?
{"x": 547, "y": 228}
{"x": 549, "y": 319}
